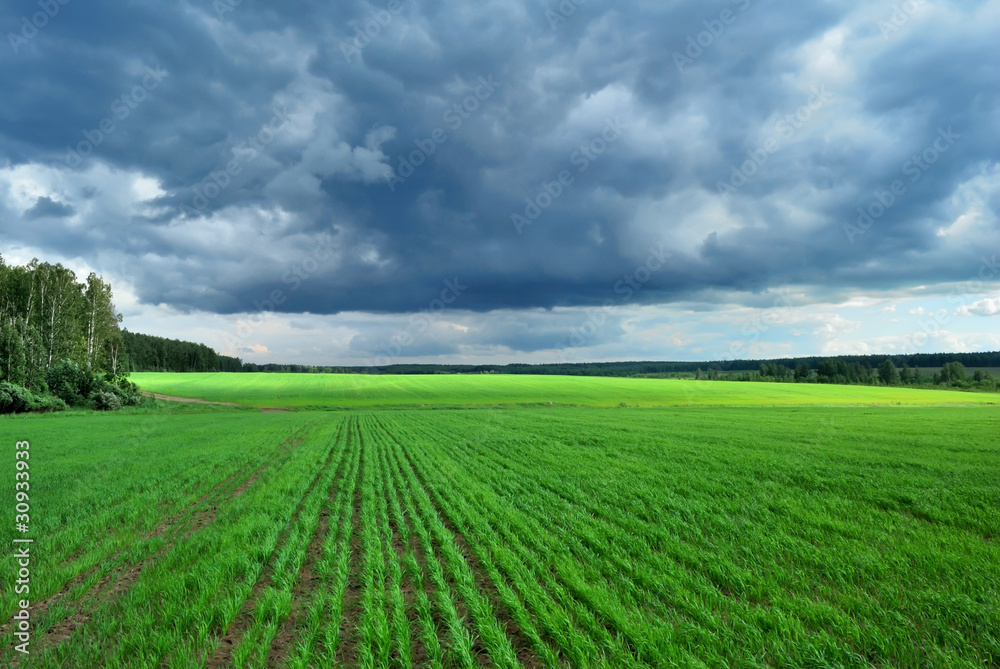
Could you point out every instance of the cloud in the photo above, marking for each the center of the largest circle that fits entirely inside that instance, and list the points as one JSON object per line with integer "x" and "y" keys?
{"x": 939, "y": 341}
{"x": 837, "y": 326}
{"x": 46, "y": 207}
{"x": 986, "y": 307}
{"x": 265, "y": 141}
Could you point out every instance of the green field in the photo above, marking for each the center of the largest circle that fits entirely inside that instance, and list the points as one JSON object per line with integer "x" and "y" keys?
{"x": 556, "y": 536}
{"x": 302, "y": 391}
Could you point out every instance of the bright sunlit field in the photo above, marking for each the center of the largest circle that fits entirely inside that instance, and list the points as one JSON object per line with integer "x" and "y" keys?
{"x": 544, "y": 536}
{"x": 363, "y": 390}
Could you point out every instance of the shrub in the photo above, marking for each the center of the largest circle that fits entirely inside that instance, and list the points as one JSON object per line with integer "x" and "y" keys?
{"x": 15, "y": 399}
{"x": 48, "y": 403}
{"x": 67, "y": 393}
{"x": 105, "y": 401}
{"x": 128, "y": 391}
{"x": 69, "y": 382}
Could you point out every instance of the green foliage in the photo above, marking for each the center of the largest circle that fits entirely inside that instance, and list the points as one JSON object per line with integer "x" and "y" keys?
{"x": 837, "y": 370}
{"x": 770, "y": 371}
{"x": 47, "y": 315}
{"x": 953, "y": 373}
{"x": 888, "y": 374}
{"x": 146, "y": 353}
{"x": 103, "y": 400}
{"x": 76, "y": 386}
{"x": 127, "y": 390}
{"x": 48, "y": 404}
{"x": 15, "y": 398}
{"x": 13, "y": 360}
{"x": 18, "y": 399}
{"x": 111, "y": 394}
{"x": 842, "y": 371}
{"x": 69, "y": 382}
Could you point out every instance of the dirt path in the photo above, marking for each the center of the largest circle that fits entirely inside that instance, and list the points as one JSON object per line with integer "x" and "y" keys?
{"x": 195, "y": 400}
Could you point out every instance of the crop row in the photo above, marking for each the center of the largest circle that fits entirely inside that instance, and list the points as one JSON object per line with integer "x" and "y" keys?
{"x": 644, "y": 543}
{"x": 529, "y": 538}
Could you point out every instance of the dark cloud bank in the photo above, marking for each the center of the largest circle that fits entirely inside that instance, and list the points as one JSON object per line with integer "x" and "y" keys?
{"x": 536, "y": 152}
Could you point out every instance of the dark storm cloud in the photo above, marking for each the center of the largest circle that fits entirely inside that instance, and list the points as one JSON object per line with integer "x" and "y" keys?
{"x": 46, "y": 207}
{"x": 272, "y": 127}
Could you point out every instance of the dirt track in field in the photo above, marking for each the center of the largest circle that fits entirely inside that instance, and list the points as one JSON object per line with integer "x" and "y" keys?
{"x": 196, "y": 400}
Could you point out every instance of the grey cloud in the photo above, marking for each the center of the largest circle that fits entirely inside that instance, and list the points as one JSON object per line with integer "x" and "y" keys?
{"x": 46, "y": 207}
{"x": 352, "y": 119}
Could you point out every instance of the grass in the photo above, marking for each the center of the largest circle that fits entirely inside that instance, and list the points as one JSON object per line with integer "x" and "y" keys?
{"x": 319, "y": 391}
{"x": 696, "y": 536}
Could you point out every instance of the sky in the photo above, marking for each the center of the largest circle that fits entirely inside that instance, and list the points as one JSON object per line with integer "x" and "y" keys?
{"x": 514, "y": 181}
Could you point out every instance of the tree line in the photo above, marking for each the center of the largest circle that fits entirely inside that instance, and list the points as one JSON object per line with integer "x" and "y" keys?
{"x": 60, "y": 341}
{"x": 863, "y": 370}
{"x": 146, "y": 353}
{"x": 953, "y": 374}
{"x": 838, "y": 369}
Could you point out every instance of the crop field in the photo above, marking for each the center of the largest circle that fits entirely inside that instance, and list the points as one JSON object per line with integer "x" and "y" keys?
{"x": 503, "y": 537}
{"x": 303, "y": 391}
